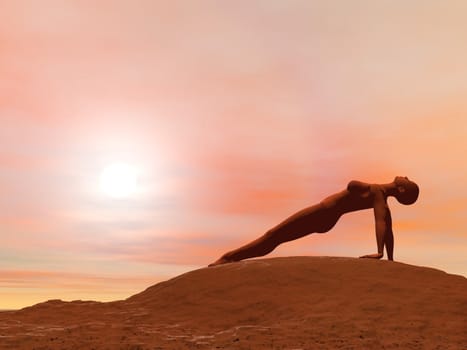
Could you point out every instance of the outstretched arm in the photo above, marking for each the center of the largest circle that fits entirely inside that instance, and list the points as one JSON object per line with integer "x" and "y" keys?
{"x": 389, "y": 243}
{"x": 383, "y": 227}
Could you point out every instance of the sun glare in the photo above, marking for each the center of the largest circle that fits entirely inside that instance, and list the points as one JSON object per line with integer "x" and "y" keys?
{"x": 118, "y": 180}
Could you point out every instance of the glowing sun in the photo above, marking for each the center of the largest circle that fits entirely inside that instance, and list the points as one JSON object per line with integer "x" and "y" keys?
{"x": 119, "y": 180}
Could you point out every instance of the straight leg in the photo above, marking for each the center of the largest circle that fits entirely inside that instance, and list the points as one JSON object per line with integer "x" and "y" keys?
{"x": 296, "y": 226}
{"x": 259, "y": 247}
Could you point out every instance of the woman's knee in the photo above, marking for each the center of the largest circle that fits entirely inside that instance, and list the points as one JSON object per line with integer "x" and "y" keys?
{"x": 272, "y": 238}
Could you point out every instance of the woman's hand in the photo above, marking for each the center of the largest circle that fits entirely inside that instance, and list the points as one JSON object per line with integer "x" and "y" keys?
{"x": 373, "y": 256}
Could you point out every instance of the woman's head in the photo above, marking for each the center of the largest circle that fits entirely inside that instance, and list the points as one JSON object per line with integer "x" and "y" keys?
{"x": 406, "y": 191}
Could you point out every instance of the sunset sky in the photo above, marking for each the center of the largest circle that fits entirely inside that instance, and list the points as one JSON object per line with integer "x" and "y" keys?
{"x": 233, "y": 115}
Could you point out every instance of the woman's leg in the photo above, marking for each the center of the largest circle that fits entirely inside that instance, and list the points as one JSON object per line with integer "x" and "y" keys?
{"x": 296, "y": 226}
{"x": 259, "y": 247}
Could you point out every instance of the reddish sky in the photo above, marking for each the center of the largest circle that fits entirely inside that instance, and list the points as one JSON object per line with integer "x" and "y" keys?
{"x": 236, "y": 114}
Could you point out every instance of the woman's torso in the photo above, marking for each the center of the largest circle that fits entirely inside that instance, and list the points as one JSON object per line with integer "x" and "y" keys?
{"x": 345, "y": 201}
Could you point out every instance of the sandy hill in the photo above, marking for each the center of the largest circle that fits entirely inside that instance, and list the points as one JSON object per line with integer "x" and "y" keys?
{"x": 278, "y": 303}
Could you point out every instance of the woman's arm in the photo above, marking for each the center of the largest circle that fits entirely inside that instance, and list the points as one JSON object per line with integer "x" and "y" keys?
{"x": 389, "y": 243}
{"x": 383, "y": 226}
{"x": 388, "y": 235}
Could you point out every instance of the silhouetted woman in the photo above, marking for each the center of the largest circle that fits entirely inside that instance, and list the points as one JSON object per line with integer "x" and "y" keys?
{"x": 322, "y": 217}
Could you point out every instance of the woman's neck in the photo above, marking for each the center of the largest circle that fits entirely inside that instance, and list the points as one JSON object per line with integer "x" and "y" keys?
{"x": 390, "y": 188}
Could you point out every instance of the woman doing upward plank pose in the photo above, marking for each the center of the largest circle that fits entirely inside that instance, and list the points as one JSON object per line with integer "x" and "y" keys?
{"x": 323, "y": 216}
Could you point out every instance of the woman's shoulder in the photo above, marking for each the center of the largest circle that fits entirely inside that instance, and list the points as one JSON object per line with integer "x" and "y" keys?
{"x": 376, "y": 188}
{"x": 377, "y": 192}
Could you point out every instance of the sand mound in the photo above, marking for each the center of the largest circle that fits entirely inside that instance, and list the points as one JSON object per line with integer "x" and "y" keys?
{"x": 278, "y": 303}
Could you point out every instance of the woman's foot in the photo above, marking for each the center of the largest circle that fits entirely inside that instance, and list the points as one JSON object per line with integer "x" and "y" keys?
{"x": 220, "y": 261}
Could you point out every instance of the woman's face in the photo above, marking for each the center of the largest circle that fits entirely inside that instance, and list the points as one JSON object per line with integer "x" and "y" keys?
{"x": 407, "y": 190}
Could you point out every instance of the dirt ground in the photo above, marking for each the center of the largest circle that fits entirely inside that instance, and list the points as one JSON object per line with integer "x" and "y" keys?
{"x": 279, "y": 303}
